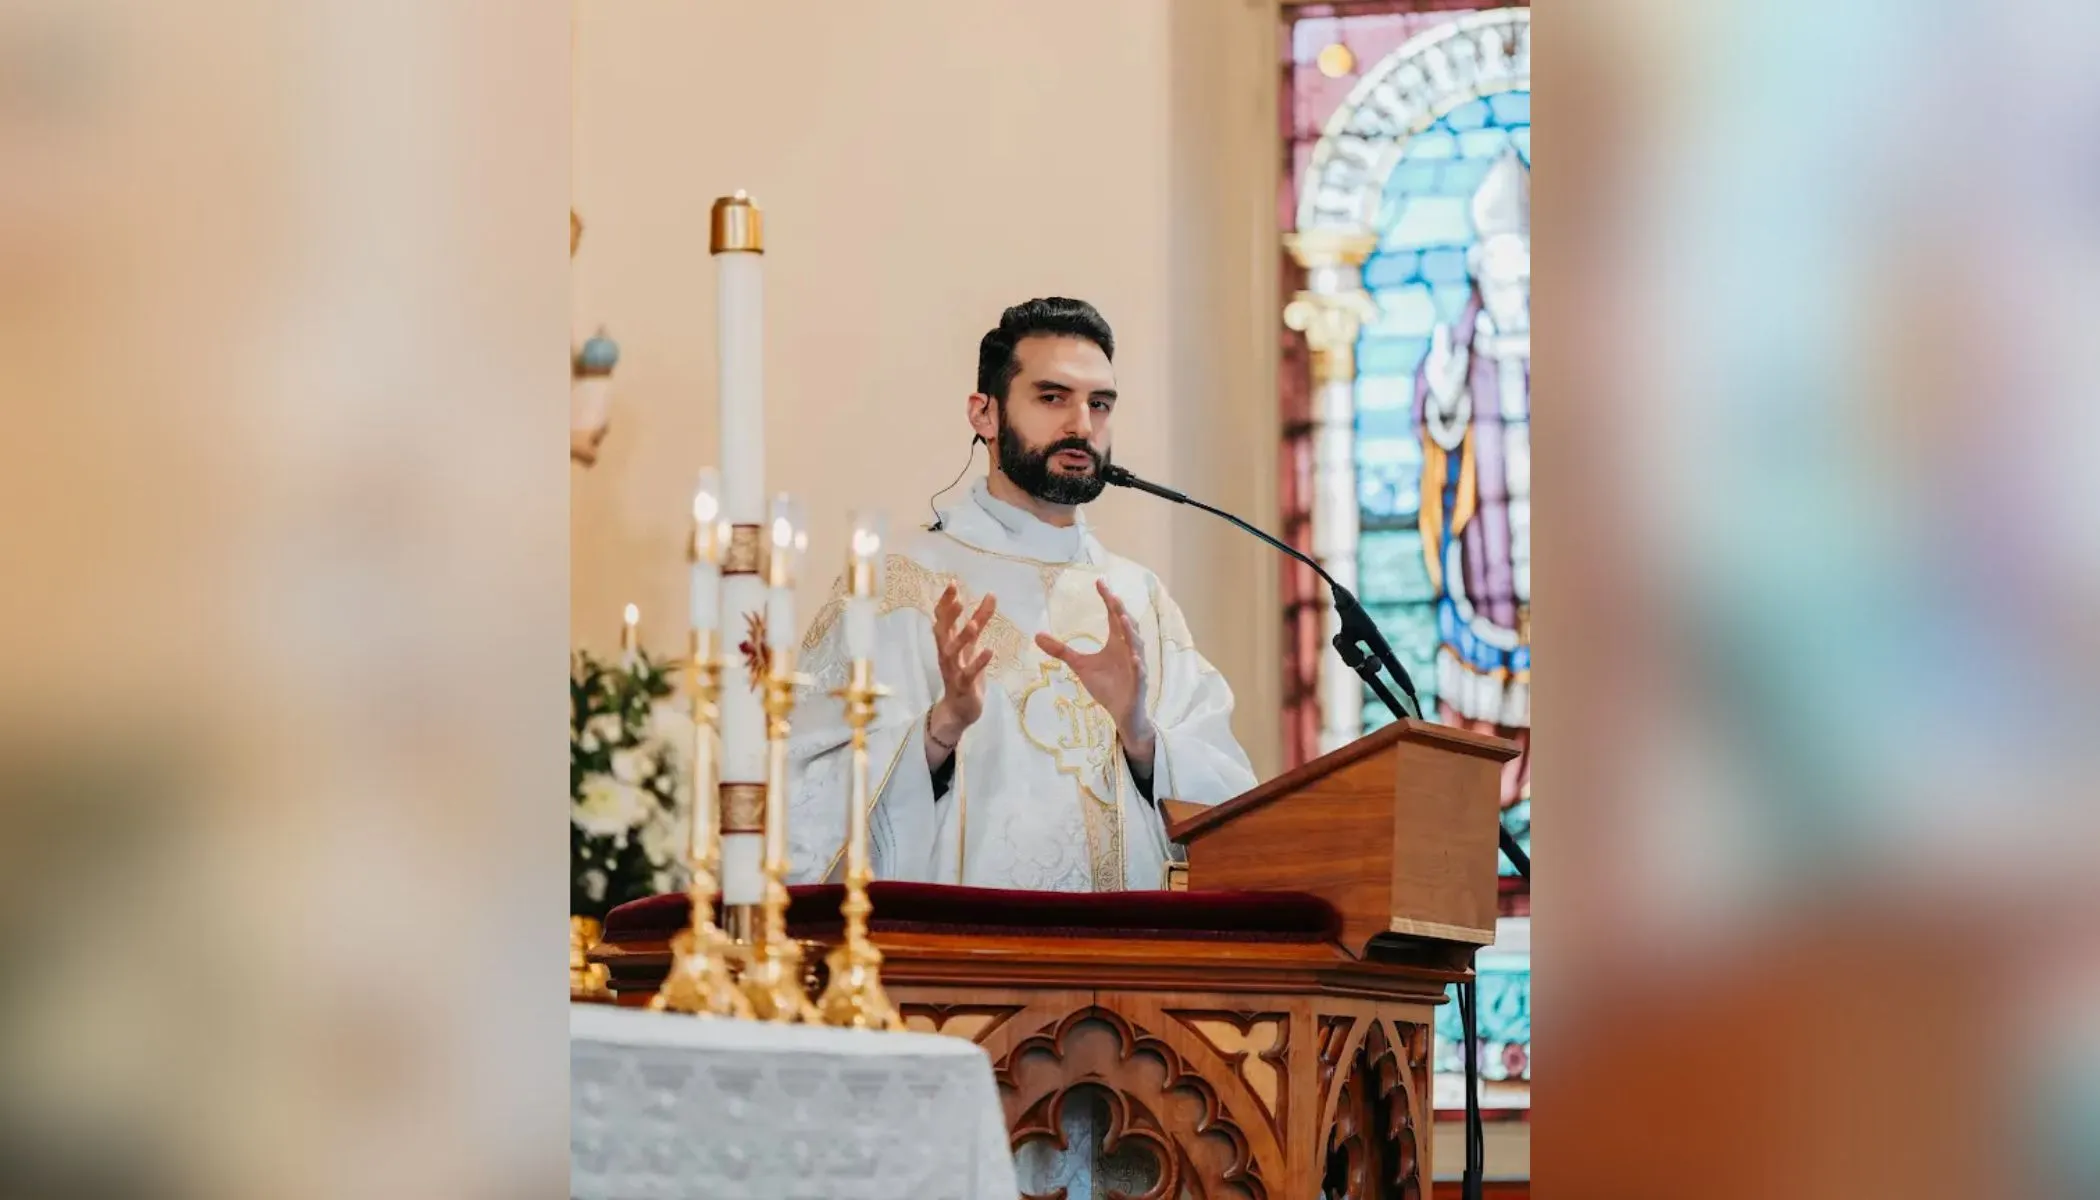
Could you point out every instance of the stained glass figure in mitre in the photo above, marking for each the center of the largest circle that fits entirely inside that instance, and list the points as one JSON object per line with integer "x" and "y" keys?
{"x": 1473, "y": 407}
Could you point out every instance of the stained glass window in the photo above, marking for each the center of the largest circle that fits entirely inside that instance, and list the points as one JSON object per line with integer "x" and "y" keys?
{"x": 1414, "y": 125}
{"x": 1419, "y": 277}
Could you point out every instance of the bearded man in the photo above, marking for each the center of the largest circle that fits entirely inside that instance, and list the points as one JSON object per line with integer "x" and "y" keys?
{"x": 1045, "y": 693}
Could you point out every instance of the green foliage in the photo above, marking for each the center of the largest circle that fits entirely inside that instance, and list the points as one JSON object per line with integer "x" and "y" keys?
{"x": 627, "y": 791}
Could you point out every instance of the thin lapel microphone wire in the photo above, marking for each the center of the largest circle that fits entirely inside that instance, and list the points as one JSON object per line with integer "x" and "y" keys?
{"x": 935, "y": 527}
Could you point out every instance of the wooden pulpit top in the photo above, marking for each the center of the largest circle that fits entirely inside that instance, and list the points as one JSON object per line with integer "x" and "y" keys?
{"x": 1397, "y": 830}
{"x": 1191, "y": 820}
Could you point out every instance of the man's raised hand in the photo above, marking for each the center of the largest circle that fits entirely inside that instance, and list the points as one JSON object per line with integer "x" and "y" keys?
{"x": 1114, "y": 675}
{"x": 963, "y": 664}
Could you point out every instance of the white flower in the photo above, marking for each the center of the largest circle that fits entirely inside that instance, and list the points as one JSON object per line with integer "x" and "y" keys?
{"x": 628, "y": 766}
{"x": 606, "y": 728}
{"x": 671, "y": 723}
{"x": 594, "y": 885}
{"x": 588, "y": 742}
{"x": 609, "y": 807}
{"x": 662, "y": 839}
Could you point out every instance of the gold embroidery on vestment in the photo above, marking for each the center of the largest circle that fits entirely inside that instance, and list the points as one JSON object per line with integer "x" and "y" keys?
{"x": 908, "y": 584}
{"x": 1060, "y": 718}
{"x": 1104, "y": 838}
{"x": 1071, "y": 728}
{"x": 827, "y": 616}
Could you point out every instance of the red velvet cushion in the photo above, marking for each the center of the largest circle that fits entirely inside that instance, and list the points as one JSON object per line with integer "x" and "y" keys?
{"x": 813, "y": 913}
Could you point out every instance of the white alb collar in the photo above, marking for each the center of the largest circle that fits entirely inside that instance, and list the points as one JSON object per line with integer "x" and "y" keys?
{"x": 989, "y": 523}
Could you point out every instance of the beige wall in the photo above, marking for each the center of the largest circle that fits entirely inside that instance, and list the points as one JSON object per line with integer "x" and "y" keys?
{"x": 923, "y": 163}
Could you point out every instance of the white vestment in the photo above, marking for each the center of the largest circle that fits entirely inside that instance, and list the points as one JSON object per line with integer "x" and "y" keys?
{"x": 1041, "y": 797}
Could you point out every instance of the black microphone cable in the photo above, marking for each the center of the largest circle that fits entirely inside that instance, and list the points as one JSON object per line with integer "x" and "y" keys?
{"x": 975, "y": 440}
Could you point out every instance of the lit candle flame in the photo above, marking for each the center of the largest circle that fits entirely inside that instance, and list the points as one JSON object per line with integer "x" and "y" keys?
{"x": 710, "y": 528}
{"x": 789, "y": 535}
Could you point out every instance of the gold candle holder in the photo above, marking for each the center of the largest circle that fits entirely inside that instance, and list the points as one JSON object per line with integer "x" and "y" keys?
{"x": 589, "y": 982}
{"x": 854, "y": 997}
{"x": 773, "y": 979}
{"x": 702, "y": 980}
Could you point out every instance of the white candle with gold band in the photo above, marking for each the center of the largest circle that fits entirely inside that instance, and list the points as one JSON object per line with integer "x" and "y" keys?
{"x": 738, "y": 246}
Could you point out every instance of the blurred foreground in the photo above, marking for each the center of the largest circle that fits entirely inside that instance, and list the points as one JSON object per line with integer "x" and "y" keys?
{"x": 1817, "y": 290}
{"x": 285, "y": 308}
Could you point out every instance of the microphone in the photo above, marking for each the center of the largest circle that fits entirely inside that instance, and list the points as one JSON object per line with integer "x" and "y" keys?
{"x": 1116, "y": 476}
{"x": 1358, "y": 633}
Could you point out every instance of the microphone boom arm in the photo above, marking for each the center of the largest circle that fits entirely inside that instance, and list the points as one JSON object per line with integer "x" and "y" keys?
{"x": 1358, "y": 631}
{"x": 1357, "y": 634}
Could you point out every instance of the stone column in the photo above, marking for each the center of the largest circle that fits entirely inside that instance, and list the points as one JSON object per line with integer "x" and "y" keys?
{"x": 1331, "y": 312}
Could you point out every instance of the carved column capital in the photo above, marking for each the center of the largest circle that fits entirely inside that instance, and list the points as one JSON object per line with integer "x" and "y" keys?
{"x": 1330, "y": 323}
{"x": 1319, "y": 249}
{"x": 1332, "y": 309}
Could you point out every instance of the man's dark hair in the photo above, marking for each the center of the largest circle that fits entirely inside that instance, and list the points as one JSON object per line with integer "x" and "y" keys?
{"x": 1051, "y": 316}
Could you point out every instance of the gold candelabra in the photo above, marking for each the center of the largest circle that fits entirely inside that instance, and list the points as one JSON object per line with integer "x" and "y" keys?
{"x": 702, "y": 980}
{"x": 855, "y": 997}
{"x": 773, "y": 980}
{"x": 762, "y": 975}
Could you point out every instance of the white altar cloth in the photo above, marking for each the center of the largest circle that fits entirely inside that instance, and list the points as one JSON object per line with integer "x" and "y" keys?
{"x": 667, "y": 1107}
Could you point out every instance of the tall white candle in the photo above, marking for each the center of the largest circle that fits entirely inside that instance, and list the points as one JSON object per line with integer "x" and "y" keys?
{"x": 738, "y": 245}
{"x": 863, "y": 583}
{"x": 860, "y": 627}
{"x": 740, "y": 363}
{"x": 710, "y": 542}
{"x": 786, "y": 538}
{"x": 706, "y": 607}
{"x": 780, "y": 620}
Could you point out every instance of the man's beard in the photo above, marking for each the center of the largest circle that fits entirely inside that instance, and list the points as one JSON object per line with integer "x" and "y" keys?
{"x": 1030, "y": 469}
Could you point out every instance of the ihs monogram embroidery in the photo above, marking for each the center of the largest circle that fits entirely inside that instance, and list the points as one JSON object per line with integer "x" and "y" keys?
{"x": 757, "y": 659}
{"x": 1063, "y": 721}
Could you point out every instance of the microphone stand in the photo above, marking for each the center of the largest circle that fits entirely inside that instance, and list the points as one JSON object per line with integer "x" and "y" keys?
{"x": 1364, "y": 649}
